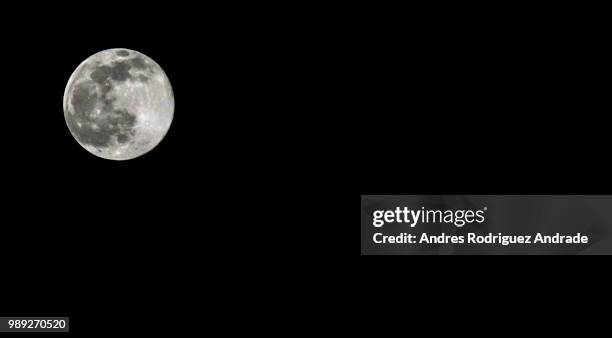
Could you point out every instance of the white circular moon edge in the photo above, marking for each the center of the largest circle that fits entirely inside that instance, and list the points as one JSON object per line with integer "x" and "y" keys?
{"x": 146, "y": 95}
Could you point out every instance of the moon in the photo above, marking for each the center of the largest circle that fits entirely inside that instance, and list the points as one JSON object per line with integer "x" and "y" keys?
{"x": 118, "y": 104}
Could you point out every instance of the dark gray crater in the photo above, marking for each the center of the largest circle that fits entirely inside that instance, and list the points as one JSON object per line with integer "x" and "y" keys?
{"x": 98, "y": 129}
{"x": 122, "y": 53}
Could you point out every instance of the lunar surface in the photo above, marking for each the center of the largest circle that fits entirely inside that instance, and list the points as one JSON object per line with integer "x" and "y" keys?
{"x": 118, "y": 104}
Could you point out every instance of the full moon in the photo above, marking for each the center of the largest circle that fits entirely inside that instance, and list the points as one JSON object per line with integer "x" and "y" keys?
{"x": 118, "y": 104}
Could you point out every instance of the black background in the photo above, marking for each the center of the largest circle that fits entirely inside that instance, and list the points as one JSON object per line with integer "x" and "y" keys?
{"x": 277, "y": 104}
{"x": 90, "y": 238}
{"x": 474, "y": 100}
{"x": 468, "y": 99}
{"x": 143, "y": 240}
